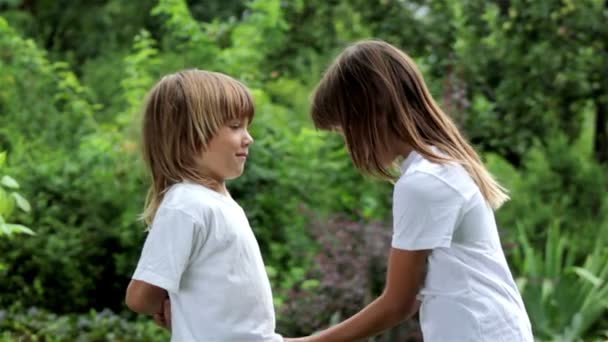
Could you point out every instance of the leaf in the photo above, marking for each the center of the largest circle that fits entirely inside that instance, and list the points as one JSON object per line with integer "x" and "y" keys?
{"x": 310, "y": 284}
{"x": 587, "y": 275}
{"x": 271, "y": 271}
{"x": 521, "y": 282}
{"x": 9, "y": 182}
{"x": 547, "y": 289}
{"x": 20, "y": 229}
{"x": 2, "y": 158}
{"x": 22, "y": 202}
{"x": 10, "y": 229}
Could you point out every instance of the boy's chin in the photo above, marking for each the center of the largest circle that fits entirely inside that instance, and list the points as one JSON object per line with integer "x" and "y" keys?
{"x": 234, "y": 176}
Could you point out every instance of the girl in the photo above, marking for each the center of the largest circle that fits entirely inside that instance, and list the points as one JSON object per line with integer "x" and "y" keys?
{"x": 445, "y": 250}
{"x": 200, "y": 250}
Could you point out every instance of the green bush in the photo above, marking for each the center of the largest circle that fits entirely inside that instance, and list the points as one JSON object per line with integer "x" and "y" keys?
{"x": 88, "y": 188}
{"x": 85, "y": 211}
{"x": 555, "y": 230}
{"x": 20, "y": 325}
{"x": 558, "y": 183}
{"x": 10, "y": 200}
{"x": 565, "y": 298}
{"x": 349, "y": 271}
{"x": 71, "y": 132}
{"x": 83, "y": 180}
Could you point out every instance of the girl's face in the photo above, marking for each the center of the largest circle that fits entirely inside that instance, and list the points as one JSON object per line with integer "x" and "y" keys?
{"x": 227, "y": 151}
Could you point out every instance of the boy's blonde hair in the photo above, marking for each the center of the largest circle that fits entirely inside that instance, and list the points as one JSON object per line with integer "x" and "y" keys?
{"x": 183, "y": 112}
{"x": 375, "y": 94}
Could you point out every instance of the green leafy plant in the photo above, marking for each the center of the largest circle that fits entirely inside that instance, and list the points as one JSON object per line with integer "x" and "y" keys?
{"x": 69, "y": 112}
{"x": 564, "y": 296}
{"x": 10, "y": 200}
{"x": 33, "y": 324}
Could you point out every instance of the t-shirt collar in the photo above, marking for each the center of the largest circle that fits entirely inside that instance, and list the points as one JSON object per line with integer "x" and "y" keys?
{"x": 408, "y": 161}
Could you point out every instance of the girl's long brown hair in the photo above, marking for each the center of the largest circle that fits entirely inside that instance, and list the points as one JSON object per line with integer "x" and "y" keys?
{"x": 183, "y": 112}
{"x": 376, "y": 96}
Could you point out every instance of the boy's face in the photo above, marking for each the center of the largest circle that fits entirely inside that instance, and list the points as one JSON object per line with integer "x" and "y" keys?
{"x": 227, "y": 151}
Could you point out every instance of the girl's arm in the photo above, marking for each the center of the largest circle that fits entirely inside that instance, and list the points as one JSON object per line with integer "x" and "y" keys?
{"x": 406, "y": 271}
{"x": 145, "y": 298}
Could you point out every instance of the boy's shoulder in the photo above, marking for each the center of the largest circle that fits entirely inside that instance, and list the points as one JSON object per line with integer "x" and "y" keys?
{"x": 195, "y": 200}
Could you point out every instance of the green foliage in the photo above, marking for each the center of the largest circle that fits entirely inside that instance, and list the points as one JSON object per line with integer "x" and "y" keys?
{"x": 62, "y": 165}
{"x": 34, "y": 324}
{"x": 548, "y": 276}
{"x": 137, "y": 78}
{"x": 78, "y": 30}
{"x": 557, "y": 183}
{"x": 10, "y": 200}
{"x": 524, "y": 79}
{"x": 49, "y": 89}
{"x": 557, "y": 228}
{"x": 316, "y": 31}
{"x": 511, "y": 55}
{"x": 77, "y": 223}
{"x": 260, "y": 32}
{"x": 356, "y": 254}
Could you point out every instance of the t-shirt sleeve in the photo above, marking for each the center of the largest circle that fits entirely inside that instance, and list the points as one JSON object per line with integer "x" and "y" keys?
{"x": 426, "y": 211}
{"x": 166, "y": 252}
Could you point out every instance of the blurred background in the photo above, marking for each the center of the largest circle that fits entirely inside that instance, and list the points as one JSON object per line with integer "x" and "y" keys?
{"x": 526, "y": 80}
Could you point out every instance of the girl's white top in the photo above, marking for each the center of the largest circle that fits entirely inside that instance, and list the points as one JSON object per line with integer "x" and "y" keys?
{"x": 469, "y": 293}
{"x": 202, "y": 250}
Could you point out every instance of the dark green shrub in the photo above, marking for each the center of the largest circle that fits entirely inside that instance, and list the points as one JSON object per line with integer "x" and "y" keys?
{"x": 28, "y": 325}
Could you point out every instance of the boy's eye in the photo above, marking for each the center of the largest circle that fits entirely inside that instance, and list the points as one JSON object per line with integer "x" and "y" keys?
{"x": 236, "y": 124}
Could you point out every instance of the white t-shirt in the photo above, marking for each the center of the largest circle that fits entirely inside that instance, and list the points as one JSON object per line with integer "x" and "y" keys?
{"x": 469, "y": 293}
{"x": 202, "y": 250}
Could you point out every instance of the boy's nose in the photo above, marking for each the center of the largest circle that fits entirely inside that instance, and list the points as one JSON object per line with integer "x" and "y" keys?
{"x": 248, "y": 139}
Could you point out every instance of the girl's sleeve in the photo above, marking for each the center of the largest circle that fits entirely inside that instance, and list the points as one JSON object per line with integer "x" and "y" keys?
{"x": 167, "y": 250}
{"x": 426, "y": 211}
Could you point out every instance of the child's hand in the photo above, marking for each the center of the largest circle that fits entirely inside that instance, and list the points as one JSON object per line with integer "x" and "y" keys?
{"x": 163, "y": 318}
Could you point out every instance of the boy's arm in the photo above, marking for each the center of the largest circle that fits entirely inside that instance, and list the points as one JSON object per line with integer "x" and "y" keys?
{"x": 164, "y": 257}
{"x": 406, "y": 271}
{"x": 145, "y": 298}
